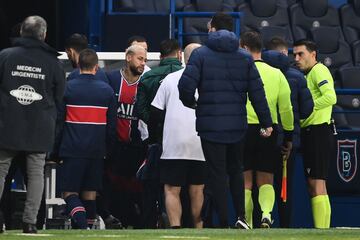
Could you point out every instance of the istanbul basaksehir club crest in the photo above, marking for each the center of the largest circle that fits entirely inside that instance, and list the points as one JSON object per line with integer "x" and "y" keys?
{"x": 347, "y": 159}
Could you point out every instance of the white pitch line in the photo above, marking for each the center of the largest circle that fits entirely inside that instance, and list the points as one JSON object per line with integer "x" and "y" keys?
{"x": 184, "y": 237}
{"x": 351, "y": 228}
{"x": 34, "y": 235}
{"x": 102, "y": 236}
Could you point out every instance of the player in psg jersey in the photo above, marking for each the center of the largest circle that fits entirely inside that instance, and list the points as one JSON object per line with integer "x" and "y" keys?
{"x": 128, "y": 151}
{"x": 85, "y": 132}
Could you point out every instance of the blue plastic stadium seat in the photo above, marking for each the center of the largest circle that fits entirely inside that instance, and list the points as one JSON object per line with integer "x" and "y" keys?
{"x": 356, "y": 52}
{"x": 164, "y": 5}
{"x": 350, "y": 20}
{"x": 350, "y": 102}
{"x": 350, "y": 79}
{"x": 133, "y": 6}
{"x": 141, "y": 6}
{"x": 333, "y": 51}
{"x": 309, "y": 14}
{"x": 340, "y": 118}
{"x": 234, "y": 3}
{"x": 199, "y": 25}
{"x": 266, "y": 17}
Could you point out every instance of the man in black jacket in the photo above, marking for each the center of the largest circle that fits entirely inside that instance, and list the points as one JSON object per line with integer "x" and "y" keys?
{"x": 32, "y": 83}
{"x": 73, "y": 46}
{"x": 224, "y": 75}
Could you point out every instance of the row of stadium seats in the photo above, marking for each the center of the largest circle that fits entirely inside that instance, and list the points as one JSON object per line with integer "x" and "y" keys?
{"x": 335, "y": 31}
{"x": 154, "y": 6}
{"x": 147, "y": 6}
{"x": 349, "y": 78}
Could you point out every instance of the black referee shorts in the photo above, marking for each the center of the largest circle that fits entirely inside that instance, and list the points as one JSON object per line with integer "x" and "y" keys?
{"x": 261, "y": 154}
{"x": 317, "y": 144}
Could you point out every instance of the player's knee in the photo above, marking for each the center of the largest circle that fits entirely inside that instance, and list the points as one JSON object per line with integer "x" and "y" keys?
{"x": 88, "y": 195}
{"x": 172, "y": 190}
{"x": 316, "y": 187}
{"x": 248, "y": 178}
{"x": 68, "y": 194}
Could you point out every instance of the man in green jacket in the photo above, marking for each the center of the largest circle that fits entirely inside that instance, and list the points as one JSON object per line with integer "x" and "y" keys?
{"x": 170, "y": 61}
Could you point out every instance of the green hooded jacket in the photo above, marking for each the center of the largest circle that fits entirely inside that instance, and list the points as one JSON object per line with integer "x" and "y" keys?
{"x": 150, "y": 83}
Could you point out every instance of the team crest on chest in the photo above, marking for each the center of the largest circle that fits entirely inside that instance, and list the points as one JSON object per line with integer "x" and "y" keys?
{"x": 347, "y": 159}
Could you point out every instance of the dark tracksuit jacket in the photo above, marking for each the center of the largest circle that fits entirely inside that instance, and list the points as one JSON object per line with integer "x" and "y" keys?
{"x": 150, "y": 83}
{"x": 223, "y": 87}
{"x": 88, "y": 115}
{"x": 100, "y": 75}
{"x": 31, "y": 85}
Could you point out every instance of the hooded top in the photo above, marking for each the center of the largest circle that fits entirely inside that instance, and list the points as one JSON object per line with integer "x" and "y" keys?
{"x": 150, "y": 83}
{"x": 223, "y": 74}
{"x": 301, "y": 98}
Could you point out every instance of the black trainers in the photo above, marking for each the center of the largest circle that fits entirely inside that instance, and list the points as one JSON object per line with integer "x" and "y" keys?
{"x": 242, "y": 224}
{"x": 265, "y": 223}
{"x": 112, "y": 222}
{"x": 29, "y": 228}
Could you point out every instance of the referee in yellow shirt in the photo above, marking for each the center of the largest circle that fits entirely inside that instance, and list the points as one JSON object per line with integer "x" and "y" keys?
{"x": 261, "y": 154}
{"x": 316, "y": 135}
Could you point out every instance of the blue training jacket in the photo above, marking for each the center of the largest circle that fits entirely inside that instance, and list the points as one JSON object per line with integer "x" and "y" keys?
{"x": 301, "y": 98}
{"x": 223, "y": 74}
{"x": 100, "y": 75}
{"x": 87, "y": 119}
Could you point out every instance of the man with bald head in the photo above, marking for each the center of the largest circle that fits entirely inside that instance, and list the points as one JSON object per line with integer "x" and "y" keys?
{"x": 182, "y": 161}
{"x": 128, "y": 151}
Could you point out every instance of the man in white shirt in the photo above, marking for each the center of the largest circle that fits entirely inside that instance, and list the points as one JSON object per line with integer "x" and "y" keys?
{"x": 182, "y": 160}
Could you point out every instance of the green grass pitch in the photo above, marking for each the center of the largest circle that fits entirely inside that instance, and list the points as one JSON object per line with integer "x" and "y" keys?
{"x": 276, "y": 234}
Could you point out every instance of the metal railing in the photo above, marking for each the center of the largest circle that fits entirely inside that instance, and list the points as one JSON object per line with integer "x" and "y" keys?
{"x": 175, "y": 30}
{"x": 180, "y": 26}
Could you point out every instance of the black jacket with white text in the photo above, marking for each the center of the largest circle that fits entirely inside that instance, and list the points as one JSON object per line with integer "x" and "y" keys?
{"x": 32, "y": 83}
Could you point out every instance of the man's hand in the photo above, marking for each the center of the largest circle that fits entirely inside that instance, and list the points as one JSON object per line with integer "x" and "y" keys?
{"x": 53, "y": 158}
{"x": 266, "y": 132}
{"x": 286, "y": 149}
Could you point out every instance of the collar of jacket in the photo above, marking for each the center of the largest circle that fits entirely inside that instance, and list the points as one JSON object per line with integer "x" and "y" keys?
{"x": 169, "y": 61}
{"x": 222, "y": 41}
{"x": 28, "y": 42}
{"x": 276, "y": 59}
{"x": 86, "y": 76}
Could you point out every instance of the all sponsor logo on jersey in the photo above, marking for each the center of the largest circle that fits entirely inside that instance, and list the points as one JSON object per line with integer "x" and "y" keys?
{"x": 347, "y": 159}
{"x": 25, "y": 95}
{"x": 125, "y": 111}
